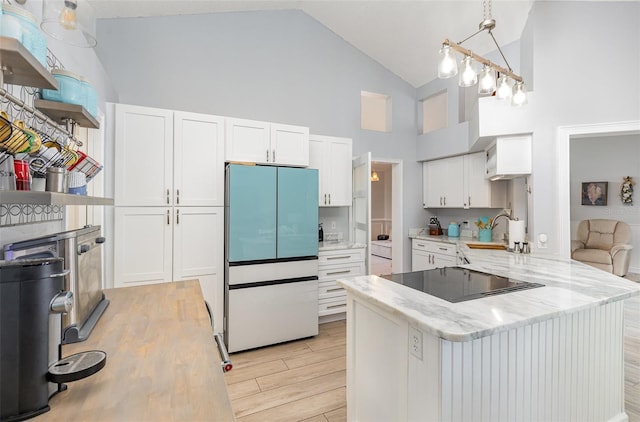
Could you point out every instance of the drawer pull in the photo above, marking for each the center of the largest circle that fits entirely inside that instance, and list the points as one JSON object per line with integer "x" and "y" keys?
{"x": 443, "y": 249}
{"x": 420, "y": 244}
{"x": 338, "y": 257}
{"x": 339, "y": 272}
{"x": 335, "y": 290}
{"x": 336, "y": 306}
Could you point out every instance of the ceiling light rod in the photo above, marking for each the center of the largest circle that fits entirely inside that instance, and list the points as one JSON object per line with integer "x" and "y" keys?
{"x": 457, "y": 47}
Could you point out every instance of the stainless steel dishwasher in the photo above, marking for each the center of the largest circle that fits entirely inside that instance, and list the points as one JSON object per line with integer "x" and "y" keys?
{"x": 82, "y": 253}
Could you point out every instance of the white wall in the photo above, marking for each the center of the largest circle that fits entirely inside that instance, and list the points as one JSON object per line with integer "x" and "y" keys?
{"x": 584, "y": 67}
{"x": 280, "y": 66}
{"x": 607, "y": 159}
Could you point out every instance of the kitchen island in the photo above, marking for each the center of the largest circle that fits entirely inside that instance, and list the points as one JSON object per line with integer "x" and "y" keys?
{"x": 549, "y": 353}
{"x": 162, "y": 361}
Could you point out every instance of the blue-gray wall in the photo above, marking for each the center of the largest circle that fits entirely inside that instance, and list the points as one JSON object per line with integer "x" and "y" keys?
{"x": 279, "y": 66}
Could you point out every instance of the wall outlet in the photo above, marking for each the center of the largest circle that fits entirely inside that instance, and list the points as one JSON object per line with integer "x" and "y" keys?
{"x": 542, "y": 241}
{"x": 415, "y": 342}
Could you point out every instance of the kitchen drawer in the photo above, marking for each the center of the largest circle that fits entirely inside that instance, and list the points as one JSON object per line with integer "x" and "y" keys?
{"x": 327, "y": 289}
{"x": 340, "y": 256}
{"x": 333, "y": 272}
{"x": 332, "y": 305}
{"x": 434, "y": 247}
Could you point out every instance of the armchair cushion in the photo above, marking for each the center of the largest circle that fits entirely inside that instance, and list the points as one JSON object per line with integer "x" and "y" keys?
{"x": 604, "y": 244}
{"x": 597, "y": 256}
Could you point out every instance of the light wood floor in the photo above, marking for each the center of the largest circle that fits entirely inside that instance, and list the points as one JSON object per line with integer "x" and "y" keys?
{"x": 305, "y": 379}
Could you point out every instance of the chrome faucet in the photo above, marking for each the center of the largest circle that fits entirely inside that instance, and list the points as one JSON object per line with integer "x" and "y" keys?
{"x": 504, "y": 213}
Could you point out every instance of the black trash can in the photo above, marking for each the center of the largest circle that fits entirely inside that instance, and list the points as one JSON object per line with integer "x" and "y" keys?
{"x": 27, "y": 288}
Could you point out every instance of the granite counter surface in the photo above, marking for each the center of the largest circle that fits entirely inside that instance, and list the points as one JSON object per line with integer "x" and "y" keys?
{"x": 570, "y": 286}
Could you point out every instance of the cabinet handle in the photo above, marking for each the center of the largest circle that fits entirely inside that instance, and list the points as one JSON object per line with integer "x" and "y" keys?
{"x": 445, "y": 201}
{"x": 334, "y": 290}
{"x": 267, "y": 155}
{"x": 420, "y": 244}
{"x": 440, "y": 201}
{"x": 329, "y": 199}
{"x": 168, "y": 218}
{"x": 469, "y": 201}
{"x": 178, "y": 196}
{"x": 177, "y": 216}
{"x": 339, "y": 272}
{"x": 325, "y": 199}
{"x": 336, "y": 306}
{"x": 273, "y": 155}
{"x": 338, "y": 257}
{"x": 168, "y": 193}
{"x": 443, "y": 249}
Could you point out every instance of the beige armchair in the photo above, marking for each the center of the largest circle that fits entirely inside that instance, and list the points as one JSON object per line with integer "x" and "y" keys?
{"x": 604, "y": 244}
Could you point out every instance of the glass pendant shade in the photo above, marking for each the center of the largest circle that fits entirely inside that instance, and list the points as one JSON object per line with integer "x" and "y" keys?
{"x": 374, "y": 176}
{"x": 519, "y": 96}
{"x": 468, "y": 76}
{"x": 503, "y": 90}
{"x": 486, "y": 81}
{"x": 447, "y": 65}
{"x": 65, "y": 21}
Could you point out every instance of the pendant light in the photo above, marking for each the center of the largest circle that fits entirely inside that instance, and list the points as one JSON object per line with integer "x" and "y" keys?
{"x": 486, "y": 81}
{"x": 374, "y": 176}
{"x": 468, "y": 76}
{"x": 447, "y": 66}
{"x": 63, "y": 20}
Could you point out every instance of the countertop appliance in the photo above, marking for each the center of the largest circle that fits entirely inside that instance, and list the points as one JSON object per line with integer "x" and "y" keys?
{"x": 29, "y": 334}
{"x": 81, "y": 250}
{"x": 271, "y": 255}
{"x": 435, "y": 229}
{"x": 457, "y": 284}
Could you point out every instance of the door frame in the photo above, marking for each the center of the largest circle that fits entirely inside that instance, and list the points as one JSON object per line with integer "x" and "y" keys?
{"x": 564, "y": 135}
{"x": 397, "y": 243}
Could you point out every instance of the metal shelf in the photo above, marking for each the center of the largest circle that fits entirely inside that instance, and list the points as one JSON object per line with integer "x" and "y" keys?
{"x": 50, "y": 198}
{"x": 19, "y": 67}
{"x": 60, "y": 112}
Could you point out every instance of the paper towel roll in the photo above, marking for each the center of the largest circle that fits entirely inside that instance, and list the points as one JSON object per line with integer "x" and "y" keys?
{"x": 516, "y": 232}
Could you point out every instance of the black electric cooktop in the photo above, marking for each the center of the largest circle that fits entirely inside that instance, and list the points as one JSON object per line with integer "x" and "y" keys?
{"x": 457, "y": 284}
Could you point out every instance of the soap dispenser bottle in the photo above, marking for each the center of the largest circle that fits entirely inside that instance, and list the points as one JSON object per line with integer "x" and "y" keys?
{"x": 320, "y": 233}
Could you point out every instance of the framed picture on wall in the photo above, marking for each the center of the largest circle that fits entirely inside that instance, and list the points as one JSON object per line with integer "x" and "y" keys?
{"x": 594, "y": 193}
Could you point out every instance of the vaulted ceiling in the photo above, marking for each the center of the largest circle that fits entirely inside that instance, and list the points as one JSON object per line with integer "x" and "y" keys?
{"x": 402, "y": 35}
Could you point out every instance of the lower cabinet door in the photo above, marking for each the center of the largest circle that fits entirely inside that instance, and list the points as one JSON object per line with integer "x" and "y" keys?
{"x": 441, "y": 261}
{"x": 421, "y": 260}
{"x": 142, "y": 245}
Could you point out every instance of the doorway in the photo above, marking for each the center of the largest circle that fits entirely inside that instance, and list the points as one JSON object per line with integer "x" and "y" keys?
{"x": 386, "y": 216}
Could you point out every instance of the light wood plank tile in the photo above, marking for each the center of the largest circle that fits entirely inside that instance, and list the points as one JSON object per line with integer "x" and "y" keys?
{"x": 338, "y": 415}
{"x": 254, "y": 371}
{"x": 264, "y": 354}
{"x": 290, "y": 393}
{"x": 303, "y": 373}
{"x": 301, "y": 409}
{"x": 318, "y": 418}
{"x": 322, "y": 355}
{"x": 243, "y": 389}
{"x": 324, "y": 342}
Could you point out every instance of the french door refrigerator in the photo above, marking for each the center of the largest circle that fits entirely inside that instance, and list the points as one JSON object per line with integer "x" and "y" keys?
{"x": 271, "y": 265}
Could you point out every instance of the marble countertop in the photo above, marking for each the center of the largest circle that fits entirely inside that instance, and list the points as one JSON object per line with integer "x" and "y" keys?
{"x": 335, "y": 245}
{"x": 570, "y": 286}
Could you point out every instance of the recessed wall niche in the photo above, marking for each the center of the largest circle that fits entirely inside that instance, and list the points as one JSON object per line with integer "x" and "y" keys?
{"x": 434, "y": 112}
{"x": 375, "y": 111}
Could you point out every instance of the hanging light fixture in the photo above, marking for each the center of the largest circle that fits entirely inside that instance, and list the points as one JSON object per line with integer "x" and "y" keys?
{"x": 487, "y": 79}
{"x": 374, "y": 176}
{"x": 62, "y": 20}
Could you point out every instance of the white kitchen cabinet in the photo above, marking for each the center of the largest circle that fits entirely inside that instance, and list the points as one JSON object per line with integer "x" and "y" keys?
{"x": 266, "y": 143}
{"x": 164, "y": 244}
{"x": 508, "y": 157}
{"x": 443, "y": 183}
{"x": 332, "y": 157}
{"x": 459, "y": 182}
{"x": 332, "y": 265}
{"x": 427, "y": 255}
{"x": 165, "y": 158}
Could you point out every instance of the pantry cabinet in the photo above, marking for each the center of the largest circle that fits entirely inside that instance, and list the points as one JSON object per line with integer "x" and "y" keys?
{"x": 332, "y": 157}
{"x": 164, "y": 244}
{"x": 266, "y": 143}
{"x": 459, "y": 182}
{"x": 165, "y": 158}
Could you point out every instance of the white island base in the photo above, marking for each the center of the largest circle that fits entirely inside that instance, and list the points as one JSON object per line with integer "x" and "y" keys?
{"x": 569, "y": 367}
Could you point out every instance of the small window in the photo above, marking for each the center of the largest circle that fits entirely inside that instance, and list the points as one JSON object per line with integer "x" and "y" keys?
{"x": 375, "y": 111}
{"x": 434, "y": 112}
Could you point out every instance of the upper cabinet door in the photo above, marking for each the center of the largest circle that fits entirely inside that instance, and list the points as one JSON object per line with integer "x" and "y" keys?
{"x": 339, "y": 177}
{"x": 248, "y": 141}
{"x": 143, "y": 156}
{"x": 198, "y": 160}
{"x": 317, "y": 159}
{"x": 289, "y": 145}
